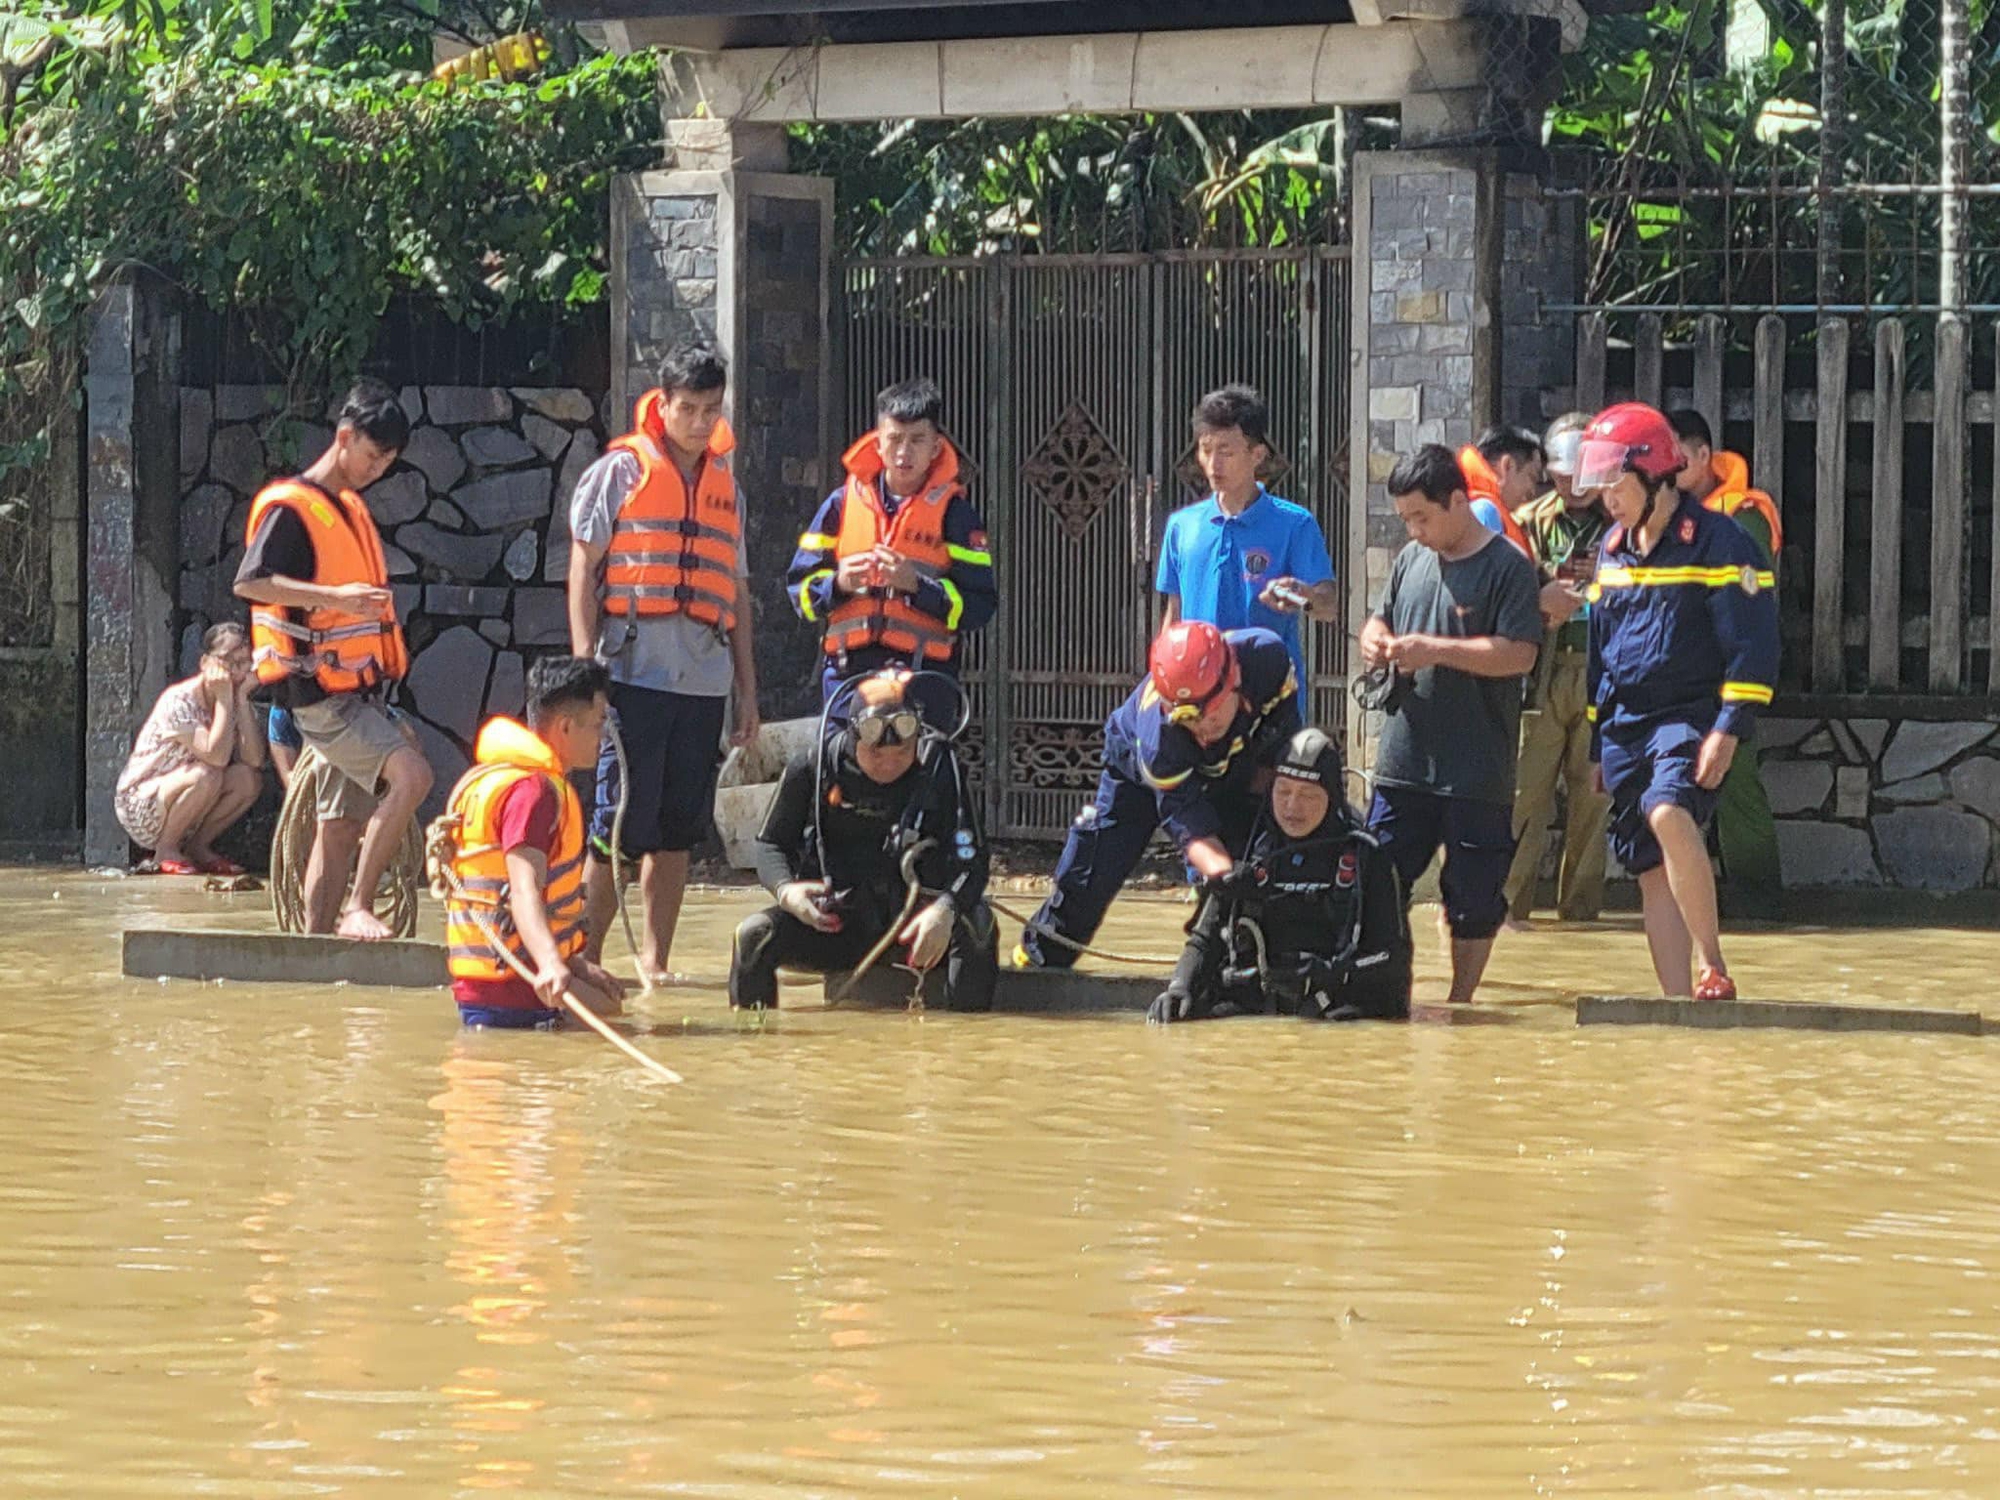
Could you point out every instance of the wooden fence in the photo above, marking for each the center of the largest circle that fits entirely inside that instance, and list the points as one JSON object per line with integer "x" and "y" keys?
{"x": 1873, "y": 442}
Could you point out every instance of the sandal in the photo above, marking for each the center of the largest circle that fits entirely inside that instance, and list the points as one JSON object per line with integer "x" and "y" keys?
{"x": 1713, "y": 984}
{"x": 177, "y": 867}
{"x": 219, "y": 865}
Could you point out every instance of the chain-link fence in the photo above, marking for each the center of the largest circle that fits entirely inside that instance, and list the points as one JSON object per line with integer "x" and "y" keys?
{"x": 1836, "y": 156}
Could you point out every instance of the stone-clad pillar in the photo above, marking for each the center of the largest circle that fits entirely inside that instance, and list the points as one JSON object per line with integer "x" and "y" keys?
{"x": 1454, "y": 260}
{"x": 131, "y": 549}
{"x": 743, "y": 257}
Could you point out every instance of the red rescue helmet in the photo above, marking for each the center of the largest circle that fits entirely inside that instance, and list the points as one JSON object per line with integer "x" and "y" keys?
{"x": 1630, "y": 436}
{"x": 1192, "y": 666}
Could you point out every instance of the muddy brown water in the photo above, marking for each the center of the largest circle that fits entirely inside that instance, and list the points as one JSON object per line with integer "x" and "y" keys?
{"x": 266, "y": 1244}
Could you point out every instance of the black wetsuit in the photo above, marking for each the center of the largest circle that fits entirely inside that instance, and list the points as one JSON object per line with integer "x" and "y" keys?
{"x": 1335, "y": 938}
{"x": 867, "y": 827}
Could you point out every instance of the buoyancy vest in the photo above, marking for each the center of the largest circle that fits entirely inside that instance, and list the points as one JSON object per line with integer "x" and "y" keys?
{"x": 879, "y": 617}
{"x": 506, "y": 754}
{"x": 1732, "y": 493}
{"x": 1481, "y": 483}
{"x": 342, "y": 652}
{"x": 671, "y": 551}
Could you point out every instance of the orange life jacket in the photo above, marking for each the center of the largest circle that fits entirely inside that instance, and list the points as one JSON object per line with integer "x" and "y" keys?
{"x": 1481, "y": 483}
{"x": 1732, "y": 493}
{"x": 671, "y": 551}
{"x": 508, "y": 753}
{"x": 878, "y": 617}
{"x": 342, "y": 652}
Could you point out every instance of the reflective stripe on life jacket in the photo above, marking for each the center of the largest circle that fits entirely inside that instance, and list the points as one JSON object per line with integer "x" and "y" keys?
{"x": 670, "y": 551}
{"x": 1732, "y": 493}
{"x": 1481, "y": 483}
{"x": 507, "y": 753}
{"x": 879, "y": 617}
{"x": 341, "y": 652}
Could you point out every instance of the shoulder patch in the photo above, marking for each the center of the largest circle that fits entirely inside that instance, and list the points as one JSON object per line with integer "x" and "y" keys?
{"x": 1746, "y": 578}
{"x": 1687, "y": 529}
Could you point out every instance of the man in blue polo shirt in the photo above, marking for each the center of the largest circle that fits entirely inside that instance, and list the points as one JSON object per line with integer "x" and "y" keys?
{"x": 1243, "y": 558}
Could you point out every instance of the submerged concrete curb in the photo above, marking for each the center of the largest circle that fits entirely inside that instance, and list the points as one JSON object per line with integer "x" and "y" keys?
{"x": 277, "y": 958}
{"x": 1019, "y": 991}
{"x": 1726, "y": 1015}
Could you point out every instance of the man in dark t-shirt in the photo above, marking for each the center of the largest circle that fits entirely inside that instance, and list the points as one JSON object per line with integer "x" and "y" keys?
{"x": 1458, "y": 627}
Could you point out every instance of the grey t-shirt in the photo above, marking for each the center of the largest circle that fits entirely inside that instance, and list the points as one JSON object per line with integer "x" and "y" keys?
{"x": 667, "y": 653}
{"x": 1447, "y": 731}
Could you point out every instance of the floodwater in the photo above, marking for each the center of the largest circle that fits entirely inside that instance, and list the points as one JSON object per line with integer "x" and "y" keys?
{"x": 265, "y": 1244}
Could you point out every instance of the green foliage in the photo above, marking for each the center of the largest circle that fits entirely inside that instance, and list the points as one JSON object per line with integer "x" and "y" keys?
{"x": 287, "y": 160}
{"x": 1658, "y": 112}
{"x": 1087, "y": 182}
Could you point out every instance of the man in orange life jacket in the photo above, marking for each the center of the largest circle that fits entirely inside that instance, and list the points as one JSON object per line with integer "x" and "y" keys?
{"x": 518, "y": 865}
{"x": 1503, "y": 472}
{"x": 324, "y": 634}
{"x": 1720, "y": 480}
{"x": 894, "y": 566}
{"x": 657, "y": 592}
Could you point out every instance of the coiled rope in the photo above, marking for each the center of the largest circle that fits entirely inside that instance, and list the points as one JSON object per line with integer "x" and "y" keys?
{"x": 292, "y": 845}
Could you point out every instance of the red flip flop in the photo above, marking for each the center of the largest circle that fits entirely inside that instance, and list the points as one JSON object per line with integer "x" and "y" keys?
{"x": 177, "y": 867}
{"x": 220, "y": 865}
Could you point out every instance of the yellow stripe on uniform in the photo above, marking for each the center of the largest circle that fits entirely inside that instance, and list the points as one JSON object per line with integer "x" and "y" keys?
{"x": 805, "y": 592}
{"x": 1590, "y": 713}
{"x": 817, "y": 541}
{"x": 956, "y": 600}
{"x": 1163, "y": 783}
{"x": 969, "y": 555}
{"x": 1745, "y": 692}
{"x": 1616, "y": 576}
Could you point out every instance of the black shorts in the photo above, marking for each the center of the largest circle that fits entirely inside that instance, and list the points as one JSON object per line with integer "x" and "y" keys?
{"x": 1478, "y": 841}
{"x": 673, "y": 743}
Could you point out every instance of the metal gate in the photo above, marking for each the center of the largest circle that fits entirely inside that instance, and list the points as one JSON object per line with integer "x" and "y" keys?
{"x": 1068, "y": 381}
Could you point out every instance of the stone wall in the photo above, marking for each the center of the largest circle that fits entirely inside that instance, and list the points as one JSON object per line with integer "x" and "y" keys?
{"x": 1540, "y": 264}
{"x": 1909, "y": 804}
{"x": 474, "y": 519}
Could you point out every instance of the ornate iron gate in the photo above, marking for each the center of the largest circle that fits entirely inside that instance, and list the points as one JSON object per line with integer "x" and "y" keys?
{"x": 1068, "y": 381}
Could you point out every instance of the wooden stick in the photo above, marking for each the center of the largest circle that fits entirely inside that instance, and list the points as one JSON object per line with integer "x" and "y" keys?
{"x": 582, "y": 1012}
{"x": 596, "y": 1023}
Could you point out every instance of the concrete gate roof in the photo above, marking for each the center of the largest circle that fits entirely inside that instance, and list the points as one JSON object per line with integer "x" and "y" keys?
{"x": 832, "y": 60}
{"x": 715, "y": 25}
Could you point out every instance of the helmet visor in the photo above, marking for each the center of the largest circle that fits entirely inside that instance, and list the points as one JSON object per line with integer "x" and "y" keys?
{"x": 1601, "y": 463}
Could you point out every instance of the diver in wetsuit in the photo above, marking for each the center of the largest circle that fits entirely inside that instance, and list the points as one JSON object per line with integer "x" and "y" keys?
{"x": 833, "y": 850}
{"x": 1310, "y": 922}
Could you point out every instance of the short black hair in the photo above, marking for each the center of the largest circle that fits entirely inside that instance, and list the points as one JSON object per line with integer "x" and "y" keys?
{"x": 694, "y": 365}
{"x": 559, "y": 682}
{"x": 219, "y": 638}
{"x": 374, "y": 411}
{"x": 1691, "y": 425}
{"x": 1238, "y": 406}
{"x": 1432, "y": 471}
{"x": 917, "y": 400}
{"x": 1516, "y": 443}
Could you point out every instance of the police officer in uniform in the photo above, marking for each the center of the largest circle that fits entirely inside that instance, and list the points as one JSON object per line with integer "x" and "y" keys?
{"x": 1309, "y": 922}
{"x": 879, "y": 798}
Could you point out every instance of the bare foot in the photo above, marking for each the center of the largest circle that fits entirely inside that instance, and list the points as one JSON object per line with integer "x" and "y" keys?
{"x": 1516, "y": 924}
{"x": 362, "y": 925}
